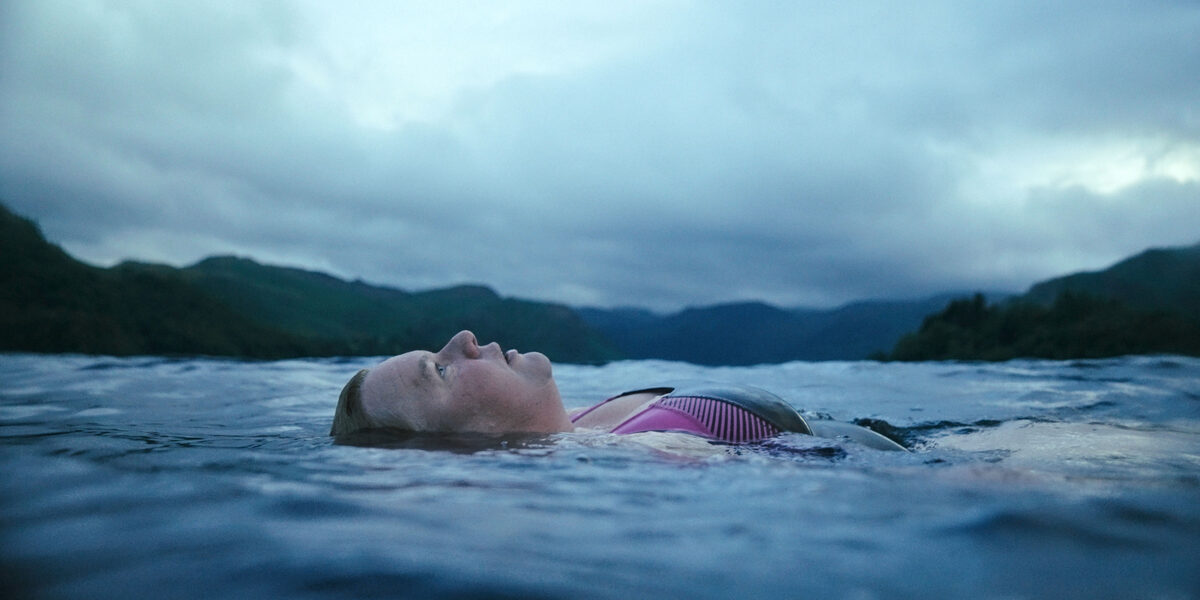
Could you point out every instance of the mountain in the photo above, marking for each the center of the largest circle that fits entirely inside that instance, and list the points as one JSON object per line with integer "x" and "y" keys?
{"x": 379, "y": 320}
{"x": 50, "y": 302}
{"x": 754, "y": 332}
{"x": 1146, "y": 304}
{"x": 1157, "y": 279}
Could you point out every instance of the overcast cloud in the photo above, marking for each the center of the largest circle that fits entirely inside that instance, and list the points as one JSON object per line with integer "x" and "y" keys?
{"x": 660, "y": 154}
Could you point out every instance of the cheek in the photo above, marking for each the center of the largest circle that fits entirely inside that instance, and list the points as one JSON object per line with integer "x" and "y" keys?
{"x": 488, "y": 394}
{"x": 475, "y": 390}
{"x": 484, "y": 381}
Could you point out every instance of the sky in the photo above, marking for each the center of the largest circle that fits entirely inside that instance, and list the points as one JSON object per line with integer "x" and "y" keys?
{"x": 659, "y": 154}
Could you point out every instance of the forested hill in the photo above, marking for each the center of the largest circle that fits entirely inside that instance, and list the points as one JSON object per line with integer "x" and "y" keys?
{"x": 50, "y": 302}
{"x": 1158, "y": 279}
{"x": 1146, "y": 304}
{"x": 381, "y": 320}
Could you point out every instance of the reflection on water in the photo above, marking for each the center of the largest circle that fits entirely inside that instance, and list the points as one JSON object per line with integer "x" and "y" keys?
{"x": 214, "y": 478}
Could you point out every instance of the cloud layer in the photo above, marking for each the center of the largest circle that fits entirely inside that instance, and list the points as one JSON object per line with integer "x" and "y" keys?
{"x": 659, "y": 154}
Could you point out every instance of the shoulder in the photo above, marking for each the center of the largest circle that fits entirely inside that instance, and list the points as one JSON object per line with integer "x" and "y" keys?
{"x": 612, "y": 412}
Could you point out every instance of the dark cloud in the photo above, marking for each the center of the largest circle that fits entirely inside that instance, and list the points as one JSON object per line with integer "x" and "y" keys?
{"x": 656, "y": 154}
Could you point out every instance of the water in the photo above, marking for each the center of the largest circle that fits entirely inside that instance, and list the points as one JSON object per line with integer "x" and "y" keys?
{"x": 186, "y": 478}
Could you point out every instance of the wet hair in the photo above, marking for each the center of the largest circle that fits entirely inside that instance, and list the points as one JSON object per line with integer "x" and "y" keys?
{"x": 349, "y": 415}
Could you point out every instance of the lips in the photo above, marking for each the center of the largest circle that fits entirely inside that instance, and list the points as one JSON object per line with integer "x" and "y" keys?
{"x": 510, "y": 355}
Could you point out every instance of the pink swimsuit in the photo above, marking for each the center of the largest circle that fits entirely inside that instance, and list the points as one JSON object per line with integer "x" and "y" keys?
{"x": 735, "y": 414}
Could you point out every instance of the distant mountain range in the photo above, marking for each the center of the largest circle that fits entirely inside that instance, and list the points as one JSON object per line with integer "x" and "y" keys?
{"x": 1165, "y": 280}
{"x": 753, "y": 332}
{"x": 50, "y": 302}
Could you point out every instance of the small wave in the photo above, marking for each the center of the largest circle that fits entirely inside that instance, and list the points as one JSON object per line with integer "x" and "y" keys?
{"x": 787, "y": 447}
{"x": 106, "y": 366}
{"x": 914, "y": 434}
{"x": 1099, "y": 524}
{"x": 313, "y": 508}
{"x": 98, "y": 412}
{"x": 14, "y": 413}
{"x": 433, "y": 584}
{"x": 1166, "y": 363}
{"x": 1047, "y": 528}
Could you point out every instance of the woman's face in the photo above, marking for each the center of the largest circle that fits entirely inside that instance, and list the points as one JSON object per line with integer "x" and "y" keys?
{"x": 465, "y": 387}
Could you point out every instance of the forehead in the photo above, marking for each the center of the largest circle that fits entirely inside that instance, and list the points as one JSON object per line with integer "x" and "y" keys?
{"x": 404, "y": 366}
{"x": 402, "y": 377}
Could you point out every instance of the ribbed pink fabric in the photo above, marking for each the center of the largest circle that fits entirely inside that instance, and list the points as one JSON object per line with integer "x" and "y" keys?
{"x": 702, "y": 416}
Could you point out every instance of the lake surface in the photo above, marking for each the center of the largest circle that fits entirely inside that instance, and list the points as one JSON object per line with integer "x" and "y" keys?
{"x": 198, "y": 478}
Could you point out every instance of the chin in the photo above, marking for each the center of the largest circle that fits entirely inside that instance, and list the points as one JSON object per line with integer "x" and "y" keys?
{"x": 536, "y": 364}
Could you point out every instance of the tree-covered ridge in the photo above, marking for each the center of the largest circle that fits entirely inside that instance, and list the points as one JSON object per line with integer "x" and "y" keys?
{"x": 1157, "y": 279}
{"x": 369, "y": 319}
{"x": 50, "y": 302}
{"x": 1146, "y": 304}
{"x": 1075, "y": 325}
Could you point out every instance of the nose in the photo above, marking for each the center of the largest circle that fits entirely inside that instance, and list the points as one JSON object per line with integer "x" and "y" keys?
{"x": 462, "y": 344}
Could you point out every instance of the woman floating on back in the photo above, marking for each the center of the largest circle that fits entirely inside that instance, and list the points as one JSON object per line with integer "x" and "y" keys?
{"x": 465, "y": 387}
